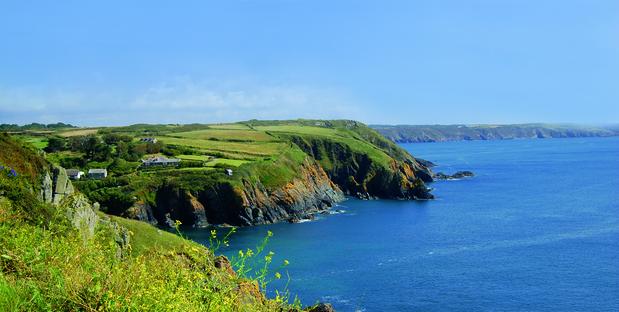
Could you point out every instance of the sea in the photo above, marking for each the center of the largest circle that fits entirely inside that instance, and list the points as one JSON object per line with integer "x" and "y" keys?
{"x": 536, "y": 229}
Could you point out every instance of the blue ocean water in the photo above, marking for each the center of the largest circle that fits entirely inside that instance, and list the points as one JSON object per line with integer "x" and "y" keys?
{"x": 537, "y": 229}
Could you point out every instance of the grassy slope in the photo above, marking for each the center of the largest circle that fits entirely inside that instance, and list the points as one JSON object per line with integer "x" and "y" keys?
{"x": 47, "y": 265}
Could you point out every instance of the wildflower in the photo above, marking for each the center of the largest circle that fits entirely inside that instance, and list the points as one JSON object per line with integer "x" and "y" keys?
{"x": 213, "y": 234}
{"x": 278, "y": 275}
{"x": 269, "y": 233}
{"x": 268, "y": 258}
{"x": 286, "y": 262}
{"x": 250, "y": 252}
{"x": 177, "y": 223}
{"x": 241, "y": 254}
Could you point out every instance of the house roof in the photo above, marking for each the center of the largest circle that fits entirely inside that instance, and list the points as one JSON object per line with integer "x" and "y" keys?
{"x": 160, "y": 159}
{"x": 97, "y": 171}
{"x": 73, "y": 171}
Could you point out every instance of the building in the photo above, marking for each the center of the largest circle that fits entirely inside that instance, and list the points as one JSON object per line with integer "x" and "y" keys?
{"x": 74, "y": 174}
{"x": 229, "y": 172}
{"x": 148, "y": 140}
{"x": 97, "y": 173}
{"x": 160, "y": 161}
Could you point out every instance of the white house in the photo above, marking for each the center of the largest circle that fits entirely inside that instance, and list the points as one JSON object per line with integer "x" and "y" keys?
{"x": 229, "y": 172}
{"x": 74, "y": 174}
{"x": 97, "y": 173}
{"x": 160, "y": 161}
{"x": 149, "y": 140}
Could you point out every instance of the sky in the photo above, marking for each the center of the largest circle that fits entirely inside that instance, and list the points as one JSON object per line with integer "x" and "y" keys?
{"x": 112, "y": 62}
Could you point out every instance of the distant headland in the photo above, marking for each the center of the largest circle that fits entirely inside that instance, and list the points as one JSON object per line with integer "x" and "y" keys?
{"x": 439, "y": 133}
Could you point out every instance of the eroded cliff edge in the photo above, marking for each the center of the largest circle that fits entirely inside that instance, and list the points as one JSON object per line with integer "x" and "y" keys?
{"x": 245, "y": 203}
{"x": 319, "y": 167}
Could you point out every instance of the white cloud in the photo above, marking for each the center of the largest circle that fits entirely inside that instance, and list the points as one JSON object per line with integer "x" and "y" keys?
{"x": 179, "y": 101}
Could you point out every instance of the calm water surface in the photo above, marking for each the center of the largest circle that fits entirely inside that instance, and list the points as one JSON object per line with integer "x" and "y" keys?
{"x": 537, "y": 229}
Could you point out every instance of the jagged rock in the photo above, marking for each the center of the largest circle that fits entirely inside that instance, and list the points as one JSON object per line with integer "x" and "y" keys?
{"x": 321, "y": 307}
{"x": 221, "y": 262}
{"x": 82, "y": 216}
{"x": 425, "y": 163}
{"x": 47, "y": 190}
{"x": 58, "y": 190}
{"x": 140, "y": 211}
{"x": 251, "y": 204}
{"x": 56, "y": 186}
{"x": 249, "y": 292}
{"x": 457, "y": 175}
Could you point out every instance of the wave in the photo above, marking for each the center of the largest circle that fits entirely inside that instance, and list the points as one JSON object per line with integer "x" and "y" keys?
{"x": 525, "y": 242}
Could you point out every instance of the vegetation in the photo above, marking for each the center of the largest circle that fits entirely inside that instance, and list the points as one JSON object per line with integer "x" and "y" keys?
{"x": 268, "y": 153}
{"x": 48, "y": 264}
{"x": 34, "y": 126}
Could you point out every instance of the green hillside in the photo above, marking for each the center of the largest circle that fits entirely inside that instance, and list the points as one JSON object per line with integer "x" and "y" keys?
{"x": 70, "y": 257}
{"x": 264, "y": 157}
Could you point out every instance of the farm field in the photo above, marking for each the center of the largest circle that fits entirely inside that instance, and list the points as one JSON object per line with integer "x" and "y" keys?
{"x": 39, "y": 142}
{"x": 238, "y": 135}
{"x": 78, "y": 132}
{"x": 263, "y": 149}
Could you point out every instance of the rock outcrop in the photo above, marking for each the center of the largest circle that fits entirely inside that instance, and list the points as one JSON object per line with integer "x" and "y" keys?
{"x": 357, "y": 174}
{"x": 56, "y": 186}
{"x": 250, "y": 203}
{"x": 57, "y": 189}
{"x": 455, "y": 176}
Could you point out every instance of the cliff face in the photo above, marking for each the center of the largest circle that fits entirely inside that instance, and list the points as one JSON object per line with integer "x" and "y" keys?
{"x": 250, "y": 203}
{"x": 289, "y": 171}
{"x": 359, "y": 175}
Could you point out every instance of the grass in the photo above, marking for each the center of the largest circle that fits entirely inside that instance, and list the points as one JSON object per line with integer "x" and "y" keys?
{"x": 343, "y": 136}
{"x": 194, "y": 157}
{"x": 249, "y": 148}
{"x": 40, "y": 142}
{"x": 301, "y": 129}
{"x": 78, "y": 132}
{"x": 46, "y": 264}
{"x": 146, "y": 238}
{"x": 239, "y": 135}
{"x": 228, "y": 162}
{"x": 233, "y": 126}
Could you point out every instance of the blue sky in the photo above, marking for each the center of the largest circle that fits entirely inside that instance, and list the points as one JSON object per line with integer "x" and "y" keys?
{"x": 405, "y": 62}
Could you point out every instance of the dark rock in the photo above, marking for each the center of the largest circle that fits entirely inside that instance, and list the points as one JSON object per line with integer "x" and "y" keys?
{"x": 251, "y": 204}
{"x": 425, "y": 163}
{"x": 321, "y": 307}
{"x": 457, "y": 175}
{"x": 221, "y": 262}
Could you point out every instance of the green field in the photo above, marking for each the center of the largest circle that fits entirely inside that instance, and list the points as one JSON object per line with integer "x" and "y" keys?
{"x": 301, "y": 129}
{"x": 39, "y": 142}
{"x": 245, "y": 135}
{"x": 228, "y": 162}
{"x": 248, "y": 148}
{"x": 194, "y": 157}
{"x": 234, "y": 126}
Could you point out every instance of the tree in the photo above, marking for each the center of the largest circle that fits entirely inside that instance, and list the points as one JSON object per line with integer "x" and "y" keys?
{"x": 102, "y": 152}
{"x": 55, "y": 144}
{"x": 113, "y": 138}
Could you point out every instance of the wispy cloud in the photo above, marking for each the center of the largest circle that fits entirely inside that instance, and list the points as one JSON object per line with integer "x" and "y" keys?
{"x": 179, "y": 101}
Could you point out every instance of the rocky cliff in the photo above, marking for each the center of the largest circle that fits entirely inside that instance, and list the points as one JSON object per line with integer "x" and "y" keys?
{"x": 247, "y": 203}
{"x": 361, "y": 176}
{"x": 294, "y": 169}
